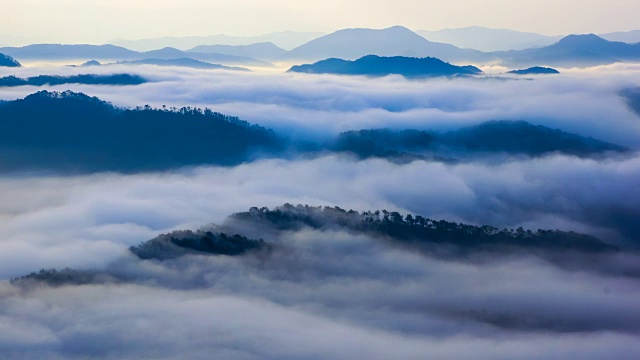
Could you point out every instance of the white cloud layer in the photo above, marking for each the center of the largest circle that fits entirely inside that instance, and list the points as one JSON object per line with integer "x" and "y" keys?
{"x": 585, "y": 102}
{"x": 332, "y": 295}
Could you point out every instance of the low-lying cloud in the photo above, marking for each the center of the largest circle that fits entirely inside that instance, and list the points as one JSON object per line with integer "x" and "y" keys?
{"x": 327, "y": 295}
{"x": 308, "y": 106}
{"x": 333, "y": 294}
{"x": 82, "y": 220}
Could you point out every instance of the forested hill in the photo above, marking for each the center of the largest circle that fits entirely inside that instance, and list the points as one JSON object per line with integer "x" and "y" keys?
{"x": 416, "y": 230}
{"x": 509, "y": 137}
{"x": 89, "y": 79}
{"x": 73, "y": 131}
{"x": 373, "y": 65}
{"x": 8, "y": 61}
{"x": 261, "y": 232}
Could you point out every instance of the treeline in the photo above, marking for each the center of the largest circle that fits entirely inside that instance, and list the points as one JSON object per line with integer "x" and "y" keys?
{"x": 373, "y": 65}
{"x": 416, "y": 229}
{"x": 179, "y": 243}
{"x": 87, "y": 79}
{"x": 73, "y": 131}
{"x": 65, "y": 276}
{"x": 438, "y": 238}
{"x": 510, "y": 137}
{"x": 8, "y": 61}
{"x": 67, "y": 131}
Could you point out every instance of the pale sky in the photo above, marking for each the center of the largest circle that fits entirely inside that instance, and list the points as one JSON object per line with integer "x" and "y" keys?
{"x": 74, "y": 21}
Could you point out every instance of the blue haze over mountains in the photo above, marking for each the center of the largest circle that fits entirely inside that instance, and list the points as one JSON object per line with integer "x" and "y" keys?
{"x": 438, "y": 211}
{"x": 352, "y": 44}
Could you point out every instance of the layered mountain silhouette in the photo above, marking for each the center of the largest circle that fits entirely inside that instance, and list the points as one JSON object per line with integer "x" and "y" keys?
{"x": 111, "y": 53}
{"x": 89, "y": 63}
{"x": 283, "y": 39}
{"x": 373, "y": 65}
{"x": 351, "y": 44}
{"x": 182, "y": 62}
{"x": 574, "y": 50}
{"x": 8, "y": 61}
{"x": 536, "y": 70}
{"x": 89, "y": 79}
{"x": 510, "y": 137}
{"x": 570, "y": 51}
{"x": 70, "y": 52}
{"x": 74, "y": 132}
{"x": 265, "y": 51}
{"x": 487, "y": 39}
{"x": 631, "y": 37}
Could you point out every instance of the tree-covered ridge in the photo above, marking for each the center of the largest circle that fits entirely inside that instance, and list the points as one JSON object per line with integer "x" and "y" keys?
{"x": 513, "y": 137}
{"x": 70, "y": 130}
{"x": 65, "y": 276}
{"x": 373, "y": 65}
{"x": 418, "y": 230}
{"x": 438, "y": 238}
{"x": 89, "y": 79}
{"x": 536, "y": 70}
{"x": 8, "y": 61}
{"x": 179, "y": 243}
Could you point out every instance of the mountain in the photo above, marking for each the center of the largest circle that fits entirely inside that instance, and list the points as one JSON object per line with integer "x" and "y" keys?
{"x": 90, "y": 63}
{"x": 487, "y": 39}
{"x": 115, "y": 79}
{"x": 510, "y": 137}
{"x": 351, "y": 44}
{"x": 182, "y": 62}
{"x": 412, "y": 230}
{"x": 179, "y": 243}
{"x": 536, "y": 70}
{"x": 373, "y": 65}
{"x": 169, "y": 53}
{"x": 283, "y": 39}
{"x": 110, "y": 53}
{"x": 8, "y": 61}
{"x": 631, "y": 37}
{"x": 70, "y": 52}
{"x": 265, "y": 51}
{"x": 524, "y": 138}
{"x": 74, "y": 132}
{"x": 572, "y": 51}
{"x": 412, "y": 233}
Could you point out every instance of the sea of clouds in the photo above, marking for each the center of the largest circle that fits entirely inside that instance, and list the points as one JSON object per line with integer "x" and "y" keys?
{"x": 332, "y": 294}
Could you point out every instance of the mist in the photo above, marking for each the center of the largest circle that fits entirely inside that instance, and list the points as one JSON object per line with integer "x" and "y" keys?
{"x": 327, "y": 294}
{"x": 585, "y": 102}
{"x": 333, "y": 294}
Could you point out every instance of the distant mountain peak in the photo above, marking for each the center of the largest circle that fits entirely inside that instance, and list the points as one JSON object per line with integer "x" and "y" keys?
{"x": 582, "y": 40}
{"x": 398, "y": 28}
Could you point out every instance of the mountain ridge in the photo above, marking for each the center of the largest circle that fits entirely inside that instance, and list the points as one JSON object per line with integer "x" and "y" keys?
{"x": 373, "y": 65}
{"x": 351, "y": 44}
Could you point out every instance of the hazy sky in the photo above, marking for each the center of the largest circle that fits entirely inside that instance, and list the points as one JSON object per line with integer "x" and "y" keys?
{"x": 104, "y": 20}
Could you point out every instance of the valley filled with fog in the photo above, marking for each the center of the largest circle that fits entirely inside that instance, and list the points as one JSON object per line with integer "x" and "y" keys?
{"x": 332, "y": 291}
